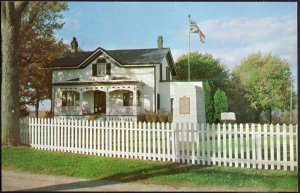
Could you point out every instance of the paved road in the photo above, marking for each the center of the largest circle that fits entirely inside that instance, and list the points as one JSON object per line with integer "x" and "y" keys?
{"x": 23, "y": 181}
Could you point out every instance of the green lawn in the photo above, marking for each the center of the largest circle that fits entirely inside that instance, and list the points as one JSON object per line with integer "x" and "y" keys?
{"x": 128, "y": 170}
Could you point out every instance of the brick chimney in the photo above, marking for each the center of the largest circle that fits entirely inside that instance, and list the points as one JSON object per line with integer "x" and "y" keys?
{"x": 160, "y": 42}
{"x": 74, "y": 46}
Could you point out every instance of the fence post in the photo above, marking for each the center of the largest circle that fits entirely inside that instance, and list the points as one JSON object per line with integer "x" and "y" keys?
{"x": 230, "y": 145}
{"x": 163, "y": 141}
{"x": 168, "y": 141}
{"x": 207, "y": 130}
{"x": 213, "y": 144}
{"x": 187, "y": 130}
{"x": 140, "y": 129}
{"x": 278, "y": 146}
{"x": 291, "y": 148}
{"x": 284, "y": 148}
{"x": 242, "y": 144}
{"x": 266, "y": 147}
{"x": 173, "y": 142}
{"x": 258, "y": 147}
{"x": 272, "y": 146}
{"x": 144, "y": 141}
{"x": 193, "y": 141}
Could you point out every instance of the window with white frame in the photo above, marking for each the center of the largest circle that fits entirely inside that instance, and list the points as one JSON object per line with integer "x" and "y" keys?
{"x": 70, "y": 98}
{"x": 101, "y": 68}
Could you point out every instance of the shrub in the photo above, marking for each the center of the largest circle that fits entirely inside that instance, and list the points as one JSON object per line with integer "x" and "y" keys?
{"x": 154, "y": 117}
{"x": 148, "y": 116}
{"x": 170, "y": 117}
{"x": 141, "y": 118}
{"x": 162, "y": 116}
{"x": 92, "y": 117}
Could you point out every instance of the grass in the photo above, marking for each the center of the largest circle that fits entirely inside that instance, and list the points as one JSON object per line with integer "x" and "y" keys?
{"x": 128, "y": 170}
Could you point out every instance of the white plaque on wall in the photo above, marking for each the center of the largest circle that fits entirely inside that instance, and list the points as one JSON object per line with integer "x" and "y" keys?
{"x": 184, "y": 105}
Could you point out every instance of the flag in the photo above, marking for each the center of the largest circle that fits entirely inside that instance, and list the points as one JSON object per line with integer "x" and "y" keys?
{"x": 195, "y": 29}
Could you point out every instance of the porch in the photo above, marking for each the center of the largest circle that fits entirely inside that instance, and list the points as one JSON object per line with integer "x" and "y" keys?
{"x": 111, "y": 101}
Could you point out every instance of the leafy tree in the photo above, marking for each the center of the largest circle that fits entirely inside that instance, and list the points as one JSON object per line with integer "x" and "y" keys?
{"x": 38, "y": 47}
{"x": 202, "y": 67}
{"x": 11, "y": 13}
{"x": 208, "y": 103}
{"x": 266, "y": 79}
{"x": 237, "y": 103}
{"x": 220, "y": 104}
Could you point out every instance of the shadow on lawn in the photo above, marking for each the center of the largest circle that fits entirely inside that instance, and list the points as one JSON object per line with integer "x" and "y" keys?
{"x": 223, "y": 177}
{"x": 167, "y": 169}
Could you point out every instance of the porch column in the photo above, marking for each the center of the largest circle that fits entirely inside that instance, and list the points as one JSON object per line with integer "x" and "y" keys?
{"x": 81, "y": 101}
{"x": 134, "y": 102}
{"x": 107, "y": 102}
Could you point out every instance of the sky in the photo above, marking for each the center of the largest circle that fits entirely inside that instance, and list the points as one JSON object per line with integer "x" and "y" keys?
{"x": 233, "y": 30}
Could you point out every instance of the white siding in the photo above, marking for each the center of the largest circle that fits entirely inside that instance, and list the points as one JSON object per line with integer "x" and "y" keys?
{"x": 176, "y": 90}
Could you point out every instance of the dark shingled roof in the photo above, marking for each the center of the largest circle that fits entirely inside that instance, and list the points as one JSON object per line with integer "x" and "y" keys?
{"x": 70, "y": 60}
{"x": 139, "y": 56}
{"x": 124, "y": 57}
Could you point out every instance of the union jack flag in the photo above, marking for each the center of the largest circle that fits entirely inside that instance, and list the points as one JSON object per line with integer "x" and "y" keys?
{"x": 195, "y": 29}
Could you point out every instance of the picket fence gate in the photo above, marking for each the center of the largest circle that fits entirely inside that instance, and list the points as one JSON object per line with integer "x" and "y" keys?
{"x": 244, "y": 145}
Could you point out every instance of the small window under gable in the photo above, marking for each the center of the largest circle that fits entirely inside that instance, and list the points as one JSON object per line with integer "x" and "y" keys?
{"x": 101, "y": 68}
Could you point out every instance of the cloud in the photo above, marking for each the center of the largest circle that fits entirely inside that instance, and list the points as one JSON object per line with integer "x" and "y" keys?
{"x": 232, "y": 40}
{"x": 243, "y": 36}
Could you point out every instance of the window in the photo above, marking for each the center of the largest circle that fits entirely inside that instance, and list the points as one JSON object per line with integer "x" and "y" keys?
{"x": 127, "y": 99}
{"x": 160, "y": 72}
{"x": 70, "y": 98}
{"x": 167, "y": 73}
{"x": 101, "y": 68}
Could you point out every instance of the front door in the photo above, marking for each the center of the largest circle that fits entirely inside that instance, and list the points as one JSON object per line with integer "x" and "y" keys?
{"x": 99, "y": 102}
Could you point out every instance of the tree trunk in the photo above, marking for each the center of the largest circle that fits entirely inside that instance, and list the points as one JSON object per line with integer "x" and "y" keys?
{"x": 10, "y": 25}
{"x": 37, "y": 105}
{"x": 257, "y": 116}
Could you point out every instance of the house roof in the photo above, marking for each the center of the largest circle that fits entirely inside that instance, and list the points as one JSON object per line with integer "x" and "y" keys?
{"x": 139, "y": 56}
{"x": 70, "y": 60}
{"x": 127, "y": 58}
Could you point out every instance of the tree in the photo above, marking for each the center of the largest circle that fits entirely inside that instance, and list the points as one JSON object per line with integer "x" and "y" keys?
{"x": 220, "y": 104}
{"x": 266, "y": 79}
{"x": 237, "y": 103}
{"x": 38, "y": 47}
{"x": 209, "y": 110}
{"x": 11, "y": 13}
{"x": 202, "y": 67}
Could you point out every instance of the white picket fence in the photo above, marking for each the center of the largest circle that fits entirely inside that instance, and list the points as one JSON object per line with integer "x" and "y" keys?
{"x": 249, "y": 145}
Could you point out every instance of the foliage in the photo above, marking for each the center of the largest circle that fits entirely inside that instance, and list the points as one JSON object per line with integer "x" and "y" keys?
{"x": 38, "y": 47}
{"x": 202, "y": 67}
{"x": 220, "y": 104}
{"x": 267, "y": 81}
{"x": 174, "y": 174}
{"x": 162, "y": 116}
{"x": 237, "y": 103}
{"x": 209, "y": 110}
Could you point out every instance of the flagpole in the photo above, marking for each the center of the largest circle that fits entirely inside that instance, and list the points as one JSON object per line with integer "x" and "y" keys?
{"x": 189, "y": 73}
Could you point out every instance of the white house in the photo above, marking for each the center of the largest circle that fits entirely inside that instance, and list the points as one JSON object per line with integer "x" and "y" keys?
{"x": 118, "y": 84}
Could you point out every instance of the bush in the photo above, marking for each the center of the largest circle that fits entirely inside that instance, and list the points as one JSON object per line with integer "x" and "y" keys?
{"x": 92, "y": 117}
{"x": 162, "y": 117}
{"x": 141, "y": 118}
{"x": 148, "y": 116}
{"x": 154, "y": 117}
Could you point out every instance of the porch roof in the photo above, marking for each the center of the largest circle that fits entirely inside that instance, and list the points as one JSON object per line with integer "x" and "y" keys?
{"x": 105, "y": 82}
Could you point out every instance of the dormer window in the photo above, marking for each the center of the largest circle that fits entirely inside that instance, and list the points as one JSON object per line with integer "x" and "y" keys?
{"x": 101, "y": 68}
